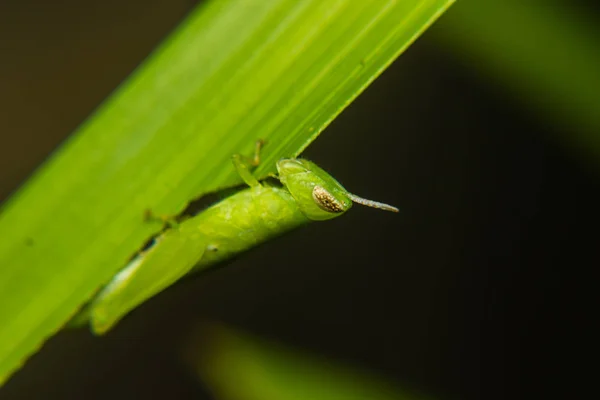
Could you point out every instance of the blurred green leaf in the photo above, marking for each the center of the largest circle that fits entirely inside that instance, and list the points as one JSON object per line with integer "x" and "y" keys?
{"x": 240, "y": 367}
{"x": 544, "y": 52}
{"x": 233, "y": 72}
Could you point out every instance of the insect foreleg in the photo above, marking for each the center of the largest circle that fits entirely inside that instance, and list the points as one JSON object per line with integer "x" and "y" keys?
{"x": 243, "y": 164}
{"x": 255, "y": 160}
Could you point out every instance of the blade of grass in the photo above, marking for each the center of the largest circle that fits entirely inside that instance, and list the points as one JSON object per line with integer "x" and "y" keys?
{"x": 233, "y": 72}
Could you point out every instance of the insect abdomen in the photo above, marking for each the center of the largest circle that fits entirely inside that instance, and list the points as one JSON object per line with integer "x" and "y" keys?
{"x": 244, "y": 220}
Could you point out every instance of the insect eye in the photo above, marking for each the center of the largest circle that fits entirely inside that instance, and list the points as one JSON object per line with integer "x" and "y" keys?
{"x": 326, "y": 201}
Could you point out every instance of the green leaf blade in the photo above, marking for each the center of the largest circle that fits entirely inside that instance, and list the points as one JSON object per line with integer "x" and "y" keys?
{"x": 234, "y": 72}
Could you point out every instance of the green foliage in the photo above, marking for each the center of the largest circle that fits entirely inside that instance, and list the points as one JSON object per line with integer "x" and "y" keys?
{"x": 237, "y": 366}
{"x": 543, "y": 52}
{"x": 233, "y": 72}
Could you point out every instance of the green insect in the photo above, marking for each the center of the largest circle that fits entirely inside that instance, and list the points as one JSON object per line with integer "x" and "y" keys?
{"x": 235, "y": 224}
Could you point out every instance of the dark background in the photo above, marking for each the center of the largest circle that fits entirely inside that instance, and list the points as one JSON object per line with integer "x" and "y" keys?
{"x": 481, "y": 288}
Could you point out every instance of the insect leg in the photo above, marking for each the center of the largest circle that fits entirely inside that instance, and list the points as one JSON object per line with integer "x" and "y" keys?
{"x": 244, "y": 164}
{"x": 168, "y": 221}
{"x": 172, "y": 256}
{"x": 257, "y": 149}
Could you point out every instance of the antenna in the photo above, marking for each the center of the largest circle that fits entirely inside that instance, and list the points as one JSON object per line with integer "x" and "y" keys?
{"x": 371, "y": 203}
